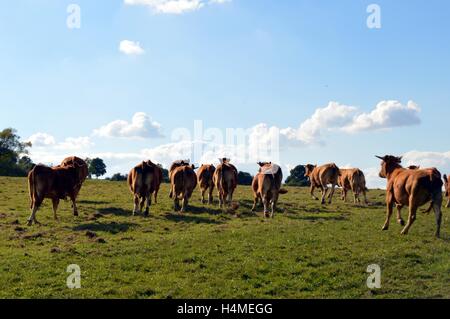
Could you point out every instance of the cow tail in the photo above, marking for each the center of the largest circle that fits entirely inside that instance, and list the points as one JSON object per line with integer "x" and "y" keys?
{"x": 31, "y": 187}
{"x": 435, "y": 185}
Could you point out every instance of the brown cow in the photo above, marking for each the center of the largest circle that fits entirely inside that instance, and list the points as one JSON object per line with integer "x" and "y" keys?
{"x": 413, "y": 188}
{"x": 447, "y": 191}
{"x": 55, "y": 183}
{"x": 183, "y": 181}
{"x": 352, "y": 179}
{"x": 321, "y": 177}
{"x": 267, "y": 186}
{"x": 225, "y": 180}
{"x": 143, "y": 180}
{"x": 205, "y": 179}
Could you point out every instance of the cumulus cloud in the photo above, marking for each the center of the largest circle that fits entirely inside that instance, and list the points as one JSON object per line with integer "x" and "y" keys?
{"x": 349, "y": 119}
{"x": 428, "y": 159}
{"x": 174, "y": 6}
{"x": 41, "y": 139}
{"x": 131, "y": 48}
{"x": 387, "y": 114}
{"x": 141, "y": 126}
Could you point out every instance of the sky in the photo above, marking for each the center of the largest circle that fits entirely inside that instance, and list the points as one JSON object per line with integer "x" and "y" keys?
{"x": 292, "y": 81}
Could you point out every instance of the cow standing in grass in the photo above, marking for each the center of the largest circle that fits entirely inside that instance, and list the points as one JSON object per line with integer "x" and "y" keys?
{"x": 183, "y": 181}
{"x": 447, "y": 191}
{"x": 225, "y": 180}
{"x": 320, "y": 177}
{"x": 144, "y": 180}
{"x": 412, "y": 188}
{"x": 352, "y": 179}
{"x": 55, "y": 183}
{"x": 205, "y": 180}
{"x": 267, "y": 187}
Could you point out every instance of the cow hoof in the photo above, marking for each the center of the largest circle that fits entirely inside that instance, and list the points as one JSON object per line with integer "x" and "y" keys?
{"x": 29, "y": 223}
{"x": 401, "y": 222}
{"x": 385, "y": 227}
{"x": 404, "y": 232}
{"x": 74, "y": 214}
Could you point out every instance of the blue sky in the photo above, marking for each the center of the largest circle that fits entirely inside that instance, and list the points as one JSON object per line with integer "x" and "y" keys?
{"x": 234, "y": 64}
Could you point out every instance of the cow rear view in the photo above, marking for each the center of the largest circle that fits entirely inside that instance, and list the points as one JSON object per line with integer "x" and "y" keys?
{"x": 266, "y": 187}
{"x": 225, "y": 180}
{"x": 352, "y": 179}
{"x": 322, "y": 176}
{"x": 55, "y": 183}
{"x": 205, "y": 180}
{"x": 183, "y": 181}
{"x": 143, "y": 181}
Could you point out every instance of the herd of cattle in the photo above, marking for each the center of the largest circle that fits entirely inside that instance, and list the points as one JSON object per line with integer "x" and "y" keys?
{"x": 412, "y": 186}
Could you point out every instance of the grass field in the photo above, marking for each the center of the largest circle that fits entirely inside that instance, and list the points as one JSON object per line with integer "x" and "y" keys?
{"x": 306, "y": 251}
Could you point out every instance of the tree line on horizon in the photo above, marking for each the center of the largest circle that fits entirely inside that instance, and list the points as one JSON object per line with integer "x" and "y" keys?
{"x": 15, "y": 162}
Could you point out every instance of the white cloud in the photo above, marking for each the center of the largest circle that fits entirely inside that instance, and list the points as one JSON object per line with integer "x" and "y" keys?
{"x": 387, "y": 114}
{"x": 174, "y": 6}
{"x": 428, "y": 159}
{"x": 344, "y": 118}
{"x": 141, "y": 126}
{"x": 75, "y": 143}
{"x": 41, "y": 139}
{"x": 131, "y": 48}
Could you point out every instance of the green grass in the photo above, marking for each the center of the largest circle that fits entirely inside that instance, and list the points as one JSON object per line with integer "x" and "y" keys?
{"x": 306, "y": 251}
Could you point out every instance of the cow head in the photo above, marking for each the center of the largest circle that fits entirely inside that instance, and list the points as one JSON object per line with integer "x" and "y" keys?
{"x": 388, "y": 164}
{"x": 309, "y": 168}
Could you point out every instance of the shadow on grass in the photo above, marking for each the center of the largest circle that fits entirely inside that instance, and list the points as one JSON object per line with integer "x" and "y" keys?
{"x": 183, "y": 218}
{"x": 90, "y": 202}
{"x": 319, "y": 218}
{"x": 112, "y": 227}
{"x": 114, "y": 211}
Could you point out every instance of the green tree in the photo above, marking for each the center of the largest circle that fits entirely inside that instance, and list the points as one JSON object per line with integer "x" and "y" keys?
{"x": 118, "y": 177}
{"x": 245, "y": 178}
{"x": 13, "y": 161}
{"x": 165, "y": 174}
{"x": 297, "y": 177}
{"x": 97, "y": 167}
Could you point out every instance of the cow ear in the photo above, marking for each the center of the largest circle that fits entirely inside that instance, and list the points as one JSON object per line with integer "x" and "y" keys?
{"x": 381, "y": 158}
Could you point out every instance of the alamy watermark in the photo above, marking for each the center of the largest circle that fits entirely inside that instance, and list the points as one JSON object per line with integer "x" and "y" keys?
{"x": 374, "y": 279}
{"x": 74, "y": 16}
{"x": 374, "y": 18}
{"x": 74, "y": 279}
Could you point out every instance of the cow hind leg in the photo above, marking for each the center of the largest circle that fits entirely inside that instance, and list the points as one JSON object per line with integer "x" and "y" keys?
{"x": 210, "y": 196}
{"x": 265, "y": 201}
{"x": 399, "y": 215}
{"x": 324, "y": 194}
{"x": 149, "y": 203}
{"x": 333, "y": 187}
{"x": 34, "y": 208}
{"x": 74, "y": 205}
{"x": 311, "y": 191}
{"x": 274, "y": 204}
{"x": 203, "y": 191}
{"x": 255, "y": 202}
{"x": 136, "y": 204}
{"x": 389, "y": 210}
{"x": 411, "y": 217}
{"x": 55, "y": 202}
